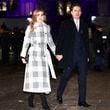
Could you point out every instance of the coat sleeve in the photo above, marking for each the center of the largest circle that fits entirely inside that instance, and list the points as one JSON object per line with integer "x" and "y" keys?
{"x": 50, "y": 41}
{"x": 26, "y": 42}
{"x": 87, "y": 40}
{"x": 60, "y": 40}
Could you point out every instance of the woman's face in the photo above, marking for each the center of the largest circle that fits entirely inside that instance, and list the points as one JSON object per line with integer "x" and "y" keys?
{"x": 40, "y": 16}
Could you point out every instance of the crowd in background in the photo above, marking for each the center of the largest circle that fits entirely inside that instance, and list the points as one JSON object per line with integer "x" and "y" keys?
{"x": 100, "y": 46}
{"x": 10, "y": 43}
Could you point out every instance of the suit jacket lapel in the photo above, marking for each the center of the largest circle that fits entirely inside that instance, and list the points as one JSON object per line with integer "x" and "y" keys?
{"x": 81, "y": 27}
{"x": 74, "y": 25}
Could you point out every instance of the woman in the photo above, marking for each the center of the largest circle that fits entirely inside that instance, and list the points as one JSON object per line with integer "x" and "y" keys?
{"x": 37, "y": 77}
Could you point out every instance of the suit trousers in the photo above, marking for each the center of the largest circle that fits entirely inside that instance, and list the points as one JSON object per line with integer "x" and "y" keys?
{"x": 80, "y": 64}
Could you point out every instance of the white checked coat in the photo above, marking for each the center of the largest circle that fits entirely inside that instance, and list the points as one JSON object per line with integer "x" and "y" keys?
{"x": 37, "y": 74}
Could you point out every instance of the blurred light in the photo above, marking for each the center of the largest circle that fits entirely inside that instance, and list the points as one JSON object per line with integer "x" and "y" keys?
{"x": 12, "y": 33}
{"x": 29, "y": 19}
{"x": 20, "y": 101}
{"x": 68, "y": 7}
{"x": 30, "y": 12}
{"x": 93, "y": 19}
{"x": 3, "y": 6}
{"x": 98, "y": 51}
{"x": 104, "y": 37}
{"x": 60, "y": 8}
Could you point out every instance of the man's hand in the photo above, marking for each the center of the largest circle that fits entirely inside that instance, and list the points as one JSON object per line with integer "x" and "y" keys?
{"x": 59, "y": 57}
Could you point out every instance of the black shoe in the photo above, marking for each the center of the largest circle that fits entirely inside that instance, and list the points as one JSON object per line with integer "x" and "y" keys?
{"x": 30, "y": 101}
{"x": 59, "y": 99}
{"x": 84, "y": 104}
{"x": 30, "y": 104}
{"x": 44, "y": 102}
{"x": 45, "y": 106}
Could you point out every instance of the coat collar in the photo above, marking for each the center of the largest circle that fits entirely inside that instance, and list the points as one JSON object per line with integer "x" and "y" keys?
{"x": 39, "y": 24}
{"x": 80, "y": 25}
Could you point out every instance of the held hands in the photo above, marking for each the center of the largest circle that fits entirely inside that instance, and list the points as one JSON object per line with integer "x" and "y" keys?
{"x": 23, "y": 60}
{"x": 59, "y": 57}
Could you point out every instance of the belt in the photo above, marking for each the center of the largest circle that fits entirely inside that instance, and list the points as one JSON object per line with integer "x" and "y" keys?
{"x": 39, "y": 44}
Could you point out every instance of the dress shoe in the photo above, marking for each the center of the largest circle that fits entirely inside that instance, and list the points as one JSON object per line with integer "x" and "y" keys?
{"x": 84, "y": 104}
{"x": 59, "y": 99}
{"x": 45, "y": 106}
{"x": 44, "y": 102}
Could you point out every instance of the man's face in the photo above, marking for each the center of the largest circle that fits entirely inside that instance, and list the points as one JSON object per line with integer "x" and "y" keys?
{"x": 76, "y": 12}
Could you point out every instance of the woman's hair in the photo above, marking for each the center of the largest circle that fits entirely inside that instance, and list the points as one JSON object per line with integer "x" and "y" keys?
{"x": 34, "y": 14}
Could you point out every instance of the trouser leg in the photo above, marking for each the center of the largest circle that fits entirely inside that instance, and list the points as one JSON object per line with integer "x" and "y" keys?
{"x": 63, "y": 81}
{"x": 82, "y": 80}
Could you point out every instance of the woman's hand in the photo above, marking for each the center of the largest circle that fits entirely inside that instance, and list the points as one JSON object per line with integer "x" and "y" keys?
{"x": 59, "y": 57}
{"x": 23, "y": 60}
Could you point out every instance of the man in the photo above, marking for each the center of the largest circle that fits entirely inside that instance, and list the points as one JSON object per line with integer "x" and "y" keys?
{"x": 72, "y": 52}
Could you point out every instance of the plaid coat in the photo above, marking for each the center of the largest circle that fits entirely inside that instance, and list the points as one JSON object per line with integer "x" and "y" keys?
{"x": 37, "y": 77}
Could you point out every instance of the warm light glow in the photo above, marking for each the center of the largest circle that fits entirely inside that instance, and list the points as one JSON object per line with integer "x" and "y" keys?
{"x": 60, "y": 8}
{"x": 3, "y": 6}
{"x": 68, "y": 7}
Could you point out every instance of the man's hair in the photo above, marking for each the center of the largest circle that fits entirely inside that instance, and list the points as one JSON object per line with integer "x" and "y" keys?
{"x": 75, "y": 4}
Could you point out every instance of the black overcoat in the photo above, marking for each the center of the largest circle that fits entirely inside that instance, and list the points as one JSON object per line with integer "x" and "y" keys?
{"x": 65, "y": 42}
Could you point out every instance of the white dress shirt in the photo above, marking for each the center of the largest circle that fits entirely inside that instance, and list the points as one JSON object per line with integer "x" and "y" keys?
{"x": 77, "y": 22}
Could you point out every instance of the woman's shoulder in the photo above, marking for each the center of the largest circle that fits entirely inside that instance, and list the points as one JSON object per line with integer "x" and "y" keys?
{"x": 45, "y": 24}
{"x": 28, "y": 28}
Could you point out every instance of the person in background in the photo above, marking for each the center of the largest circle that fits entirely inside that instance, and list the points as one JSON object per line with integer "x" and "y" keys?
{"x": 72, "y": 51}
{"x": 17, "y": 39}
{"x": 5, "y": 43}
{"x": 98, "y": 47}
{"x": 38, "y": 63}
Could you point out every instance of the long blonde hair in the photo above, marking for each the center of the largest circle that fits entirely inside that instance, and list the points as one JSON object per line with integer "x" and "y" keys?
{"x": 34, "y": 14}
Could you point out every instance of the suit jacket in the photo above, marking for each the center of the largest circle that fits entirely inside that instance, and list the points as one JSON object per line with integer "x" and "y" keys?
{"x": 65, "y": 43}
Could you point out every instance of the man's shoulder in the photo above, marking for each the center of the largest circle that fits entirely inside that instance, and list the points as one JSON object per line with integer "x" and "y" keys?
{"x": 67, "y": 21}
{"x": 84, "y": 22}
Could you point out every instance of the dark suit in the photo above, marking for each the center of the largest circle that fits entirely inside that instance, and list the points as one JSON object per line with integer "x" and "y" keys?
{"x": 73, "y": 45}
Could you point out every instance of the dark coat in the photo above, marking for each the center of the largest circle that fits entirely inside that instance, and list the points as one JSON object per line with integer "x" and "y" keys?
{"x": 65, "y": 44}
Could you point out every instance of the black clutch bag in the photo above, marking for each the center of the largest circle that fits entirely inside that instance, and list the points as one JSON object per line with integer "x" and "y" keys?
{"x": 27, "y": 55}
